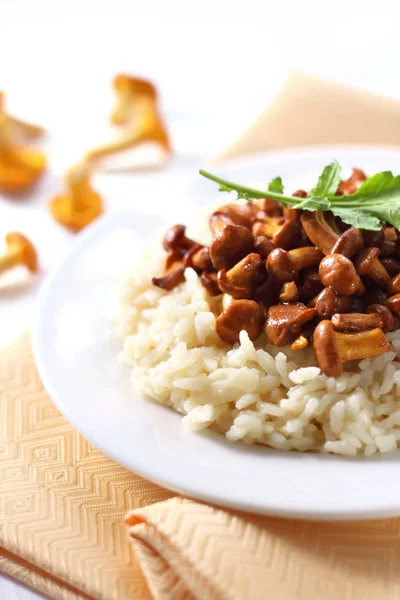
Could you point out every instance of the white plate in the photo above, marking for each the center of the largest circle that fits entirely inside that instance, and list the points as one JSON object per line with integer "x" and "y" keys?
{"x": 76, "y": 354}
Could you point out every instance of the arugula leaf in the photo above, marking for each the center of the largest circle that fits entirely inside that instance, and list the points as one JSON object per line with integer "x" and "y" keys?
{"x": 276, "y": 185}
{"x": 329, "y": 180}
{"x": 357, "y": 218}
{"x": 376, "y": 200}
{"x": 312, "y": 203}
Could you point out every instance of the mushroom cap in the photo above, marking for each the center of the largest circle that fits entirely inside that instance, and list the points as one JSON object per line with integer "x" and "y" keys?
{"x": 350, "y": 242}
{"x": 136, "y": 85}
{"x": 288, "y": 236}
{"x": 338, "y": 272}
{"x": 393, "y": 303}
{"x": 281, "y": 266}
{"x": 240, "y": 315}
{"x": 240, "y": 281}
{"x": 20, "y": 168}
{"x": 325, "y": 303}
{"x": 325, "y": 349}
{"x": 365, "y": 260}
{"x": 64, "y": 210}
{"x": 240, "y": 214}
{"x": 232, "y": 244}
{"x": 285, "y": 321}
{"x": 319, "y": 230}
{"x": 173, "y": 237}
{"x": 263, "y": 246}
{"x": 385, "y": 314}
{"x": 18, "y": 241}
{"x": 218, "y": 220}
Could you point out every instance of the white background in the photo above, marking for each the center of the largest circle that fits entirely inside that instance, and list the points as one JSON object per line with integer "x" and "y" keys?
{"x": 217, "y": 64}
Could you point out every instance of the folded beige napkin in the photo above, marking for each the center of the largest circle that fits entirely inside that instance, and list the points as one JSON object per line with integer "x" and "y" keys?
{"x": 63, "y": 503}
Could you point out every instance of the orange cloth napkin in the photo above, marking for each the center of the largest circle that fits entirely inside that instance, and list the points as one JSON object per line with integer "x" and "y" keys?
{"x": 62, "y": 503}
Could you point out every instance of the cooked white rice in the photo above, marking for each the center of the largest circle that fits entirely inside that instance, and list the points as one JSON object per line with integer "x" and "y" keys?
{"x": 253, "y": 392}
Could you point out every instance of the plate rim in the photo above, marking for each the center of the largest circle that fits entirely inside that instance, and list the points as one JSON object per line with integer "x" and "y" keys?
{"x": 94, "y": 230}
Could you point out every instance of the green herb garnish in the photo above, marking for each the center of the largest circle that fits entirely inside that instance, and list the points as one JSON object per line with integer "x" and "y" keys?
{"x": 376, "y": 200}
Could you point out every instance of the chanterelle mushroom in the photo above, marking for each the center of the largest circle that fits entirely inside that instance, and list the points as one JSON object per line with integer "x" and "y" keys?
{"x": 368, "y": 263}
{"x": 332, "y": 348}
{"x": 240, "y": 315}
{"x": 232, "y": 244}
{"x": 240, "y": 280}
{"x": 320, "y": 232}
{"x": 338, "y": 272}
{"x": 285, "y": 321}
{"x": 80, "y": 204}
{"x": 138, "y": 117}
{"x": 20, "y": 167}
{"x": 20, "y": 251}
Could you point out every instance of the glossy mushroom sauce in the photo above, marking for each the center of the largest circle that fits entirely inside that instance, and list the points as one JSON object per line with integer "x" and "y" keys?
{"x": 301, "y": 277}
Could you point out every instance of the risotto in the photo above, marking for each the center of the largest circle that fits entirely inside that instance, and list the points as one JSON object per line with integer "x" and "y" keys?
{"x": 277, "y": 320}
{"x": 252, "y": 391}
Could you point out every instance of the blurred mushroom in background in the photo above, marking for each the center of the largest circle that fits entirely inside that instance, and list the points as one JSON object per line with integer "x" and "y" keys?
{"x": 20, "y": 166}
{"x": 19, "y": 251}
{"x": 138, "y": 120}
{"x": 80, "y": 204}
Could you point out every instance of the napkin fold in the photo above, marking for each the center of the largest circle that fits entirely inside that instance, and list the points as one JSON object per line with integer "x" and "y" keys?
{"x": 309, "y": 111}
{"x": 217, "y": 554}
{"x": 62, "y": 503}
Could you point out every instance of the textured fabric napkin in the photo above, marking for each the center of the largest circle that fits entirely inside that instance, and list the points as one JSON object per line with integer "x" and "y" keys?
{"x": 62, "y": 503}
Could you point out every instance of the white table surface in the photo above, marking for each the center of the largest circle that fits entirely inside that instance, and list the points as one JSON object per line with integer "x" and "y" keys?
{"x": 217, "y": 65}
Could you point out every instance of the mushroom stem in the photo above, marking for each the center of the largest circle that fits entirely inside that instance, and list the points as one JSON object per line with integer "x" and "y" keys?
{"x": 19, "y": 251}
{"x": 10, "y": 259}
{"x": 80, "y": 205}
{"x": 332, "y": 349}
{"x": 368, "y": 263}
{"x": 306, "y": 257}
{"x": 268, "y": 228}
{"x": 356, "y": 321}
{"x": 365, "y": 344}
{"x": 147, "y": 128}
{"x": 319, "y": 231}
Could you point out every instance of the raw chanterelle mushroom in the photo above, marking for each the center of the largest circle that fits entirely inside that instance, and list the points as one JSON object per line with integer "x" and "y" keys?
{"x": 20, "y": 251}
{"x": 80, "y": 204}
{"x": 20, "y": 166}
{"x": 138, "y": 120}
